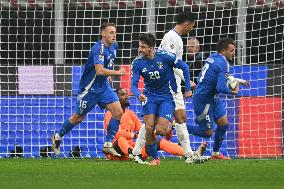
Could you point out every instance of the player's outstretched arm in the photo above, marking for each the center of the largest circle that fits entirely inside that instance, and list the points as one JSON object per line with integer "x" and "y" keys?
{"x": 100, "y": 70}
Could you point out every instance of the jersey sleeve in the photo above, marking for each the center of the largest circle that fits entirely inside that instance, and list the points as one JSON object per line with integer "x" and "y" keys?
{"x": 98, "y": 54}
{"x": 135, "y": 75}
{"x": 222, "y": 79}
{"x": 168, "y": 44}
{"x": 177, "y": 63}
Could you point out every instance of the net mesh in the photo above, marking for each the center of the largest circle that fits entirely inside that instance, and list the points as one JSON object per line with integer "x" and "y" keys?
{"x": 45, "y": 44}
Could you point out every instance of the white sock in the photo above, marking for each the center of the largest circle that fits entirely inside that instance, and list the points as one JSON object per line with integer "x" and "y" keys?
{"x": 215, "y": 153}
{"x": 183, "y": 137}
{"x": 140, "y": 141}
{"x": 108, "y": 144}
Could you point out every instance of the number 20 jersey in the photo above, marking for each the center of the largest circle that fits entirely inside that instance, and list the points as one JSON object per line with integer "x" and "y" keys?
{"x": 158, "y": 74}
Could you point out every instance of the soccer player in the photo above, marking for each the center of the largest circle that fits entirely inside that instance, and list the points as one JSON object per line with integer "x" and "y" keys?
{"x": 96, "y": 90}
{"x": 172, "y": 42}
{"x": 156, "y": 67}
{"x": 128, "y": 128}
{"x": 207, "y": 106}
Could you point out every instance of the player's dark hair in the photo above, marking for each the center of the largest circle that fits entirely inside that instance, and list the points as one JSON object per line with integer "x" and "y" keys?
{"x": 185, "y": 16}
{"x": 148, "y": 39}
{"x": 224, "y": 43}
{"x": 105, "y": 25}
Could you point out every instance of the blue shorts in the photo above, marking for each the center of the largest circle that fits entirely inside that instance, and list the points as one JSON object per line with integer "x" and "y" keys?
{"x": 87, "y": 101}
{"x": 160, "y": 107}
{"x": 206, "y": 114}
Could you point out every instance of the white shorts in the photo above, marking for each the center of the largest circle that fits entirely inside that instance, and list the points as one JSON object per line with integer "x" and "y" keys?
{"x": 179, "y": 101}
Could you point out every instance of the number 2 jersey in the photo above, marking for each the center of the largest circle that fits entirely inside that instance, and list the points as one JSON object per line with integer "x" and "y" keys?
{"x": 212, "y": 79}
{"x": 158, "y": 74}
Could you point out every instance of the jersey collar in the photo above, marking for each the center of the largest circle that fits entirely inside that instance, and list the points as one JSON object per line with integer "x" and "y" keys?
{"x": 176, "y": 32}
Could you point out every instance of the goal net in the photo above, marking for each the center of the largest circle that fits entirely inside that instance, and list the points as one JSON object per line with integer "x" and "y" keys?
{"x": 45, "y": 44}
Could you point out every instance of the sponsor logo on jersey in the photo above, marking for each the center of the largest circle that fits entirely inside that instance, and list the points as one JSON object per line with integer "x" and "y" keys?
{"x": 172, "y": 46}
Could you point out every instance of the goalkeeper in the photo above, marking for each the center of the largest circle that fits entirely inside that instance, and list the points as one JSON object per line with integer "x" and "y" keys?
{"x": 207, "y": 106}
{"x": 129, "y": 126}
{"x": 96, "y": 90}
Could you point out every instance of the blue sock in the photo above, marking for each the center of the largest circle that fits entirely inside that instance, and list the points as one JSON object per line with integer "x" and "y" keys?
{"x": 219, "y": 137}
{"x": 151, "y": 150}
{"x": 197, "y": 131}
{"x": 112, "y": 129}
{"x": 158, "y": 140}
{"x": 66, "y": 128}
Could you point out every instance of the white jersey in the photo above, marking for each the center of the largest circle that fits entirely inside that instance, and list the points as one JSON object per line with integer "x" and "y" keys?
{"x": 172, "y": 42}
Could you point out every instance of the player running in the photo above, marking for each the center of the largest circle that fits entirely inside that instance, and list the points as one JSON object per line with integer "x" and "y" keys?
{"x": 156, "y": 67}
{"x": 96, "y": 90}
{"x": 172, "y": 42}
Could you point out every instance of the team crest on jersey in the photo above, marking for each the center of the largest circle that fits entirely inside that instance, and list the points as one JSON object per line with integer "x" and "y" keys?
{"x": 160, "y": 65}
{"x": 172, "y": 46}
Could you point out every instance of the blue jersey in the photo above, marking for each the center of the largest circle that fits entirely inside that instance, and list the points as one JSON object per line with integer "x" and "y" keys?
{"x": 158, "y": 74}
{"x": 212, "y": 78}
{"x": 99, "y": 54}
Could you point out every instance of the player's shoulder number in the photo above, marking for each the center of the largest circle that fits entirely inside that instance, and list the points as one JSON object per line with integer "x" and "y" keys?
{"x": 203, "y": 72}
{"x": 209, "y": 60}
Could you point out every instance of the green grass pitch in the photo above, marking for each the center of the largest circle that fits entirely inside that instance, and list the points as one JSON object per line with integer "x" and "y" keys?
{"x": 172, "y": 173}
